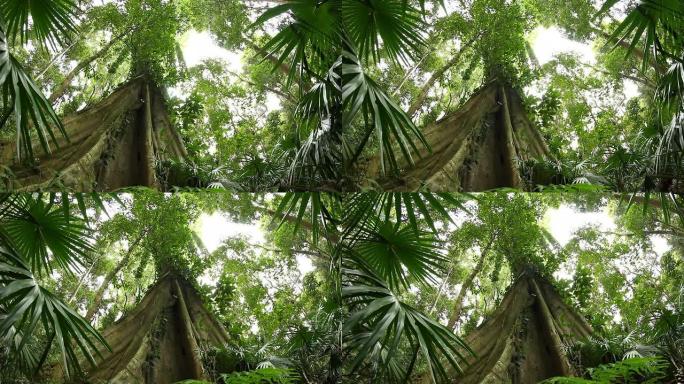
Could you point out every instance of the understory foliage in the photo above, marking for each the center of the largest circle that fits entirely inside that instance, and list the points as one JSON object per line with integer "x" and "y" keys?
{"x": 37, "y": 238}
{"x": 633, "y": 370}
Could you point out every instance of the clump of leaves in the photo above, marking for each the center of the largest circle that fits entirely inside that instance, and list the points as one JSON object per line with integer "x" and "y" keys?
{"x": 635, "y": 370}
{"x": 269, "y": 375}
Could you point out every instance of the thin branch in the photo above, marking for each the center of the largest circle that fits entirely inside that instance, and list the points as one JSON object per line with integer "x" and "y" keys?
{"x": 410, "y": 72}
{"x": 437, "y": 75}
{"x": 62, "y": 88}
{"x": 282, "y": 94}
{"x": 54, "y": 60}
{"x": 646, "y": 82}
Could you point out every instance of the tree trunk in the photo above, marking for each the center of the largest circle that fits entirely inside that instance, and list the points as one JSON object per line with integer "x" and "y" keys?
{"x": 521, "y": 341}
{"x": 109, "y": 277}
{"x": 458, "y": 303}
{"x": 477, "y": 148}
{"x": 159, "y": 341}
{"x": 189, "y": 334}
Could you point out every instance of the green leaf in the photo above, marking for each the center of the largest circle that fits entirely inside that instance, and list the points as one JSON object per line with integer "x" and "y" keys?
{"x": 263, "y": 375}
{"x": 51, "y": 21}
{"x": 391, "y": 125}
{"x": 399, "y": 254}
{"x": 400, "y": 206}
{"x": 392, "y": 26}
{"x": 27, "y": 304}
{"x": 312, "y": 205}
{"x": 380, "y": 320}
{"x": 44, "y": 234}
{"x": 32, "y": 112}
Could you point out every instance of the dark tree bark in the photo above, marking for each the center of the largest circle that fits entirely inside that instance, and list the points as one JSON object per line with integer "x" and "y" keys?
{"x": 161, "y": 339}
{"x": 522, "y": 341}
{"x": 476, "y": 148}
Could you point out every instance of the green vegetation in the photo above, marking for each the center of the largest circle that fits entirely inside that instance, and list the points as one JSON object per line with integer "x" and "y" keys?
{"x": 346, "y": 95}
{"x": 341, "y": 289}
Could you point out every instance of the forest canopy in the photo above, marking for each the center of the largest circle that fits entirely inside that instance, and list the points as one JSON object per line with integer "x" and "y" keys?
{"x": 341, "y": 191}
{"x": 351, "y": 289}
{"x": 256, "y": 95}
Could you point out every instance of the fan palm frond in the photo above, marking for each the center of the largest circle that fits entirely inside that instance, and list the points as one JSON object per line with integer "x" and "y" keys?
{"x": 652, "y": 24}
{"x": 316, "y": 206}
{"x": 51, "y": 21}
{"x": 28, "y": 304}
{"x": 389, "y": 321}
{"x": 382, "y": 116}
{"x": 44, "y": 234}
{"x": 399, "y": 254}
{"x": 313, "y": 28}
{"x": 392, "y": 26}
{"x": 32, "y": 112}
{"x": 429, "y": 207}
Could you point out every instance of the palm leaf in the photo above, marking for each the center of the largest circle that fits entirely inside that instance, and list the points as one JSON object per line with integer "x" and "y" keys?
{"x": 388, "y": 320}
{"x": 651, "y": 23}
{"x": 50, "y": 20}
{"x": 295, "y": 207}
{"x": 399, "y": 206}
{"x": 23, "y": 357}
{"x": 314, "y": 28}
{"x": 392, "y": 26}
{"x": 399, "y": 254}
{"x": 44, "y": 234}
{"x": 31, "y": 110}
{"x": 29, "y": 304}
{"x": 325, "y": 148}
{"x": 383, "y": 116}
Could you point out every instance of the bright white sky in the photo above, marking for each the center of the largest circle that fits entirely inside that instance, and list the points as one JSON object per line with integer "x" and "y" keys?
{"x": 548, "y": 42}
{"x": 200, "y": 46}
{"x": 215, "y": 228}
{"x": 563, "y": 222}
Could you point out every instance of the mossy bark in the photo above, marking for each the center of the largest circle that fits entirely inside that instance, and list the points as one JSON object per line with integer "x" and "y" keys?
{"x": 524, "y": 341}
{"x": 112, "y": 145}
{"x": 161, "y": 340}
{"x": 477, "y": 148}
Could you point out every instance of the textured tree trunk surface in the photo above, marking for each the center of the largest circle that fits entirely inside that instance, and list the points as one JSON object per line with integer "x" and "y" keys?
{"x": 111, "y": 145}
{"x": 476, "y": 148}
{"x": 524, "y": 340}
{"x": 161, "y": 340}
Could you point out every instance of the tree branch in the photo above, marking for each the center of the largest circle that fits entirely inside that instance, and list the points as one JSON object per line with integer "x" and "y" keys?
{"x": 62, "y": 88}
{"x": 110, "y": 276}
{"x": 458, "y": 303}
{"x": 437, "y": 75}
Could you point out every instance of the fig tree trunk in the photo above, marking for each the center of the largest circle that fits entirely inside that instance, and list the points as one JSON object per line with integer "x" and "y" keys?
{"x": 478, "y": 147}
{"x": 113, "y": 144}
{"x": 527, "y": 337}
{"x": 166, "y": 338}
